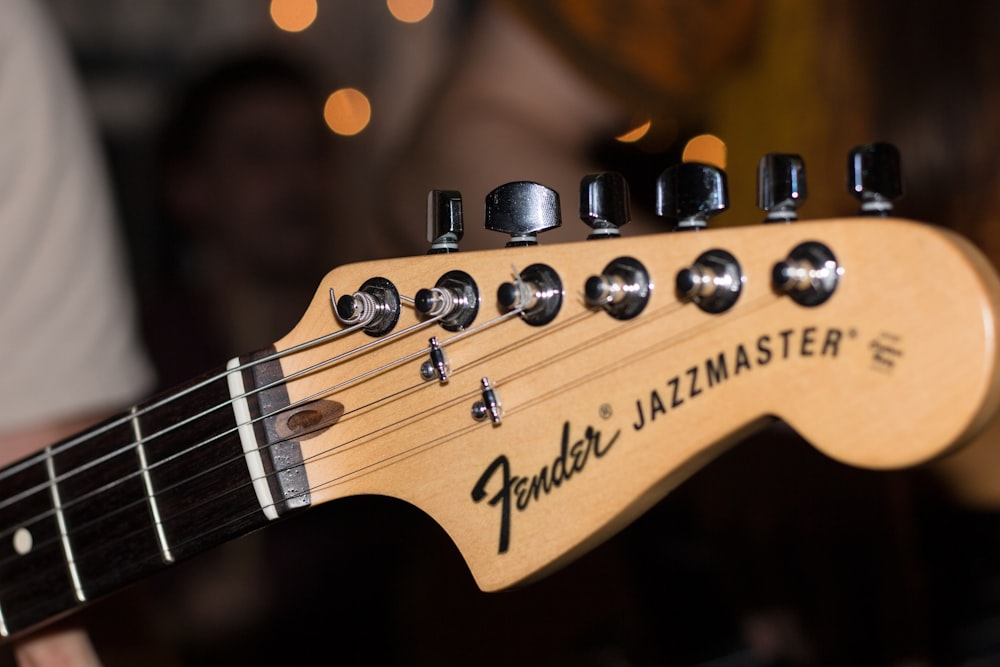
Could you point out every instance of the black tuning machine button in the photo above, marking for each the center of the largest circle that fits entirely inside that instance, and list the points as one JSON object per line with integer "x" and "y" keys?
{"x": 536, "y": 293}
{"x": 604, "y": 204}
{"x": 454, "y": 298}
{"x": 522, "y": 209}
{"x": 622, "y": 289}
{"x": 781, "y": 186}
{"x": 690, "y": 193}
{"x": 809, "y": 275}
{"x": 874, "y": 177}
{"x": 714, "y": 282}
{"x": 444, "y": 221}
{"x": 375, "y": 306}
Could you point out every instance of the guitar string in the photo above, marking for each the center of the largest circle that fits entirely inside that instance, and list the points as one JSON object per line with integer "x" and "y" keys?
{"x": 304, "y": 401}
{"x": 460, "y": 398}
{"x": 471, "y": 331}
{"x": 127, "y": 416}
{"x": 132, "y": 415}
{"x": 416, "y": 449}
{"x": 240, "y": 457}
{"x": 413, "y": 451}
{"x": 35, "y": 459}
{"x": 79, "y": 529}
{"x": 243, "y": 486}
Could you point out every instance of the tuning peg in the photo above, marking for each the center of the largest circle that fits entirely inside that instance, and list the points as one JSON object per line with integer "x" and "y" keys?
{"x": 690, "y": 193}
{"x": 781, "y": 186}
{"x": 522, "y": 209}
{"x": 444, "y": 221}
{"x": 874, "y": 177}
{"x": 604, "y": 204}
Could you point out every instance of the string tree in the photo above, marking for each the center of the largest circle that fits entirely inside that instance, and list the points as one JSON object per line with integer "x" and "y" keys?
{"x": 437, "y": 366}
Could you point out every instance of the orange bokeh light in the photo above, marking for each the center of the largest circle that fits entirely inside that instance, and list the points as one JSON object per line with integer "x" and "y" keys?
{"x": 635, "y": 134}
{"x": 410, "y": 11}
{"x": 347, "y": 111}
{"x": 293, "y": 15}
{"x": 706, "y": 148}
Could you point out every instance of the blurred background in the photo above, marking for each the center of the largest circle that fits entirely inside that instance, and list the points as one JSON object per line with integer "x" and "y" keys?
{"x": 255, "y": 144}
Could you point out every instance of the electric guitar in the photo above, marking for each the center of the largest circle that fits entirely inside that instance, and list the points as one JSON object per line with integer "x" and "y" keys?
{"x": 531, "y": 400}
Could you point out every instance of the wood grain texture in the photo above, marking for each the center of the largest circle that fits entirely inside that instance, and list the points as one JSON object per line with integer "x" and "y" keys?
{"x": 895, "y": 369}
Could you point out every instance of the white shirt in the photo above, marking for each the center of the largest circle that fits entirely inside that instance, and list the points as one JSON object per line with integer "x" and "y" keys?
{"x": 68, "y": 344}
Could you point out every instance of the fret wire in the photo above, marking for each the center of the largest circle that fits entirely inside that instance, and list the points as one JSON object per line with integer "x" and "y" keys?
{"x": 147, "y": 481}
{"x": 61, "y": 520}
{"x": 3, "y": 625}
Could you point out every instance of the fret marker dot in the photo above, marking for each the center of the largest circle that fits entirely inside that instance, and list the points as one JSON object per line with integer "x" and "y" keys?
{"x": 22, "y": 541}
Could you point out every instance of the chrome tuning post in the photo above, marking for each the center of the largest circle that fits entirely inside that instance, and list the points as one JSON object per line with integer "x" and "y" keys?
{"x": 454, "y": 299}
{"x": 809, "y": 275}
{"x": 622, "y": 289}
{"x": 375, "y": 306}
{"x": 714, "y": 282}
{"x": 537, "y": 292}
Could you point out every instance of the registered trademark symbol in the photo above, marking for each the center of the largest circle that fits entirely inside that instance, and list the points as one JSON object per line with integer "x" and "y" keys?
{"x": 605, "y": 411}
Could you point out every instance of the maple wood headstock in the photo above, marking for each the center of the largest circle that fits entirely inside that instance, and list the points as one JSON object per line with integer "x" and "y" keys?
{"x": 600, "y": 413}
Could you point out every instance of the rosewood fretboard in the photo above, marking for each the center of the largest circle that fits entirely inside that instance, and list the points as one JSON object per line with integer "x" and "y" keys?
{"x": 169, "y": 478}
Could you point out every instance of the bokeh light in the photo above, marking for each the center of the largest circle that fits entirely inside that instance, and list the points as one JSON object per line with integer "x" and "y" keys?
{"x": 410, "y": 11}
{"x": 635, "y": 134}
{"x": 706, "y": 148}
{"x": 293, "y": 15}
{"x": 347, "y": 111}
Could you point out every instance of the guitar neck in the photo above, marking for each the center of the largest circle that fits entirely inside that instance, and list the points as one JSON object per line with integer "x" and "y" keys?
{"x": 169, "y": 478}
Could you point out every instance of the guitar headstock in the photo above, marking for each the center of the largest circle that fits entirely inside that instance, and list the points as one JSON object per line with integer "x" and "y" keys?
{"x": 583, "y": 381}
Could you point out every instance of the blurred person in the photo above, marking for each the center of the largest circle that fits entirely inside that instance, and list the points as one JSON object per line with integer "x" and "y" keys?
{"x": 66, "y": 317}
{"x": 246, "y": 178}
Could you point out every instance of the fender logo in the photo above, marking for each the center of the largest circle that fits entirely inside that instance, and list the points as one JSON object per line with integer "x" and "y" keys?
{"x": 518, "y": 491}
